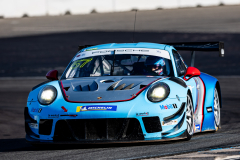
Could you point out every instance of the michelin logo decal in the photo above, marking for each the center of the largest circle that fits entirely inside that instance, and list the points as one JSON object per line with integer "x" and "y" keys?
{"x": 96, "y": 108}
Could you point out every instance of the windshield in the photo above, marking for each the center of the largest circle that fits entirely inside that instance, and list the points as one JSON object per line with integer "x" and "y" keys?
{"x": 124, "y": 65}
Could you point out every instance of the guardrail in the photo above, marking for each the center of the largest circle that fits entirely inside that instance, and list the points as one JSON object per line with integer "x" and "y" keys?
{"x": 24, "y": 8}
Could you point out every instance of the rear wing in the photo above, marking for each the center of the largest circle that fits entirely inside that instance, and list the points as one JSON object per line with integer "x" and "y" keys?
{"x": 199, "y": 46}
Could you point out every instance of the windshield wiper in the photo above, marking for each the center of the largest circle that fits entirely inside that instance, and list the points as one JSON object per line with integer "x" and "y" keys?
{"x": 112, "y": 69}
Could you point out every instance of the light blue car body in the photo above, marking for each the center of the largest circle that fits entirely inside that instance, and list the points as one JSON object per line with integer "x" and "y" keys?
{"x": 130, "y": 108}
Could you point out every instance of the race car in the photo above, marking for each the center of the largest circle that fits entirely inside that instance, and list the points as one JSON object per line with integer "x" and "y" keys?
{"x": 126, "y": 92}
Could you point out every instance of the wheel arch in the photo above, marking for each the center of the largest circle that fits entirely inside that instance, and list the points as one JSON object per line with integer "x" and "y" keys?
{"x": 190, "y": 93}
{"x": 208, "y": 117}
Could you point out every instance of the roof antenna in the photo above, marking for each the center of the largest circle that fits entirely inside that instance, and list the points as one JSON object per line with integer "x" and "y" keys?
{"x": 134, "y": 25}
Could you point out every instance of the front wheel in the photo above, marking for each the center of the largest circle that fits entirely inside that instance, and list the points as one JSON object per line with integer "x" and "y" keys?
{"x": 189, "y": 118}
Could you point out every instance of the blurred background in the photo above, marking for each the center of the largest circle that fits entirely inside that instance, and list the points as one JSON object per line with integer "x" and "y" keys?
{"x": 37, "y": 36}
{"x": 25, "y": 8}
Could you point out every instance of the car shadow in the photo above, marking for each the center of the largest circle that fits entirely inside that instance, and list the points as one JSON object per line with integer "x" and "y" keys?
{"x": 12, "y": 145}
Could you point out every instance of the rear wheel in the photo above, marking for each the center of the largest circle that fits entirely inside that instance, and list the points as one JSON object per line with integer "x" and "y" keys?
{"x": 216, "y": 110}
{"x": 189, "y": 118}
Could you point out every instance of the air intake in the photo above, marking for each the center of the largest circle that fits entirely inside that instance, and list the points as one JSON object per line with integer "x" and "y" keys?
{"x": 114, "y": 129}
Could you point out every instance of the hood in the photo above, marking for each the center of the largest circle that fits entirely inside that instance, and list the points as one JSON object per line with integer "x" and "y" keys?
{"x": 104, "y": 89}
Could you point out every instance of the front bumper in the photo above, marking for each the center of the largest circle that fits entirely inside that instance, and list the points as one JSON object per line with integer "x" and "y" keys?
{"x": 68, "y": 129}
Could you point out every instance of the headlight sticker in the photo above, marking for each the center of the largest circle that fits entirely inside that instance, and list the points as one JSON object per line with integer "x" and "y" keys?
{"x": 96, "y": 108}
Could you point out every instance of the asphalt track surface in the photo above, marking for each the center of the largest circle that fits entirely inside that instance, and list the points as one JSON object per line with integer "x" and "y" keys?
{"x": 37, "y": 45}
{"x": 13, "y": 97}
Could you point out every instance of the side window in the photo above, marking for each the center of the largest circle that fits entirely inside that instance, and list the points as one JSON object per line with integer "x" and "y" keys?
{"x": 180, "y": 66}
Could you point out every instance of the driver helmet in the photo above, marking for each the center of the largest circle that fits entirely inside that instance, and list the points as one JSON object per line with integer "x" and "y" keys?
{"x": 155, "y": 64}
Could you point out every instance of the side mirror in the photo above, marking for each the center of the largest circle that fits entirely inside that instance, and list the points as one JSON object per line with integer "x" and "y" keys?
{"x": 191, "y": 72}
{"x": 52, "y": 75}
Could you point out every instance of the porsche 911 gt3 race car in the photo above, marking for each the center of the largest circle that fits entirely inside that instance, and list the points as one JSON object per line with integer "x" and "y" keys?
{"x": 130, "y": 92}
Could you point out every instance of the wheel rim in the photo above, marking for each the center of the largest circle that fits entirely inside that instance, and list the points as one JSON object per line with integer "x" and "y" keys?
{"x": 216, "y": 108}
{"x": 189, "y": 116}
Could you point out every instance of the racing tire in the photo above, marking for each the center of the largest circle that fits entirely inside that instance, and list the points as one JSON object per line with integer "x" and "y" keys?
{"x": 189, "y": 118}
{"x": 216, "y": 110}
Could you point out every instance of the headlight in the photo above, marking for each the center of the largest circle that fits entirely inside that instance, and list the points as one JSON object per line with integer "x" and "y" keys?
{"x": 47, "y": 95}
{"x": 158, "y": 92}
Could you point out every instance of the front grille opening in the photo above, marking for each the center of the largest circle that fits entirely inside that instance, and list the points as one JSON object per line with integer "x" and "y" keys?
{"x": 62, "y": 132}
{"x": 113, "y": 129}
{"x": 45, "y": 126}
{"x": 152, "y": 124}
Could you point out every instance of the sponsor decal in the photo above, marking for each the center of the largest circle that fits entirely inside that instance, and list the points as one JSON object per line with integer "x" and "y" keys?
{"x": 95, "y": 75}
{"x": 174, "y": 106}
{"x": 133, "y": 95}
{"x": 209, "y": 109}
{"x": 74, "y": 115}
{"x": 80, "y": 63}
{"x": 91, "y": 49}
{"x": 168, "y": 106}
{"x": 197, "y": 127}
{"x": 33, "y": 125}
{"x": 96, "y": 108}
{"x": 172, "y": 122}
{"x": 39, "y": 110}
{"x": 53, "y": 115}
{"x": 142, "y": 114}
{"x": 81, "y": 54}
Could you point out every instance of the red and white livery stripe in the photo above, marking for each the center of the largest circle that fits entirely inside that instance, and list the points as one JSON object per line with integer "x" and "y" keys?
{"x": 199, "y": 111}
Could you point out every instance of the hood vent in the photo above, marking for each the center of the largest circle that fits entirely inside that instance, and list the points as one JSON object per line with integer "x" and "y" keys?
{"x": 129, "y": 86}
{"x": 66, "y": 88}
{"x": 84, "y": 86}
{"x": 120, "y": 87}
{"x": 113, "y": 86}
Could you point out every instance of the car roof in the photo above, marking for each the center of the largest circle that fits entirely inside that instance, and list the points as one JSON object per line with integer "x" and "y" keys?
{"x": 128, "y": 45}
